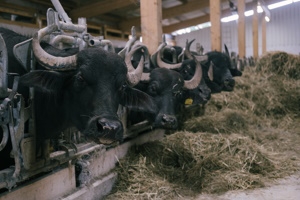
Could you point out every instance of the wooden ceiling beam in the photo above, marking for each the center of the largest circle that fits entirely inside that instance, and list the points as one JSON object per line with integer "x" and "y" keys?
{"x": 202, "y": 19}
{"x": 167, "y": 13}
{"x": 17, "y": 10}
{"x": 184, "y": 8}
{"x": 67, "y": 5}
{"x": 170, "y": 12}
{"x": 100, "y": 7}
{"x": 186, "y": 23}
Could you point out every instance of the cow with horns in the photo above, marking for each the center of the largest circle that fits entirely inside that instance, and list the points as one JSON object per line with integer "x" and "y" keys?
{"x": 216, "y": 68}
{"x": 164, "y": 84}
{"x": 174, "y": 54}
{"x": 81, "y": 89}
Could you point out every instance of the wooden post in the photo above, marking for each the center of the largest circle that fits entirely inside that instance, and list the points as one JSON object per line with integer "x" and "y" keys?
{"x": 151, "y": 26}
{"x": 241, "y": 28}
{"x": 264, "y": 35}
{"x": 215, "y": 29}
{"x": 255, "y": 32}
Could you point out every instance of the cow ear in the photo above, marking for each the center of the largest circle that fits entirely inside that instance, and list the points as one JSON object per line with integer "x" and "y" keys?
{"x": 137, "y": 100}
{"x": 44, "y": 80}
{"x": 226, "y": 50}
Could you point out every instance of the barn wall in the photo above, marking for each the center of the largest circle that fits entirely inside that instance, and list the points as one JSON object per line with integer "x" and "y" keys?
{"x": 283, "y": 32}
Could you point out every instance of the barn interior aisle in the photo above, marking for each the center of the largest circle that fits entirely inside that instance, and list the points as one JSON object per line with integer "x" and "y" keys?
{"x": 247, "y": 139}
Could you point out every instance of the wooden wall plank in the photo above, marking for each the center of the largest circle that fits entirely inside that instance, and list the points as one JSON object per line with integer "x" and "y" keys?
{"x": 51, "y": 186}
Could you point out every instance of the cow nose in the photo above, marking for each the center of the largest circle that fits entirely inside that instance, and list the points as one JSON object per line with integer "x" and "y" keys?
{"x": 230, "y": 81}
{"x": 108, "y": 124}
{"x": 229, "y": 84}
{"x": 169, "y": 120}
{"x": 111, "y": 129}
{"x": 205, "y": 94}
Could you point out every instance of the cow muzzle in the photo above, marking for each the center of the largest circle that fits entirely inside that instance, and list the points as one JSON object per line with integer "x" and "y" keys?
{"x": 205, "y": 95}
{"x": 105, "y": 130}
{"x": 109, "y": 130}
{"x": 229, "y": 85}
{"x": 166, "y": 121}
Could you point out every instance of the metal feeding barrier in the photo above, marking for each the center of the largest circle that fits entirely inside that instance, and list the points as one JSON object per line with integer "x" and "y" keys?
{"x": 14, "y": 114}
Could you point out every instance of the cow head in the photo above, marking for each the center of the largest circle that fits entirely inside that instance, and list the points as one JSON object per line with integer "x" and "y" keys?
{"x": 202, "y": 93}
{"x": 166, "y": 87}
{"x": 222, "y": 79}
{"x": 83, "y": 90}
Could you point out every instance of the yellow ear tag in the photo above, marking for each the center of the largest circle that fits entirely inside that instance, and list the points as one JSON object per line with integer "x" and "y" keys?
{"x": 188, "y": 101}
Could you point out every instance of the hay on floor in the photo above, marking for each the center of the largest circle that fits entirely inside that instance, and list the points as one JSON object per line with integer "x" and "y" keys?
{"x": 245, "y": 138}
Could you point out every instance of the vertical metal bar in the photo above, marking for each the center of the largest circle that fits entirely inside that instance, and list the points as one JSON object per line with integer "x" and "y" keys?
{"x": 3, "y": 68}
{"x": 61, "y": 11}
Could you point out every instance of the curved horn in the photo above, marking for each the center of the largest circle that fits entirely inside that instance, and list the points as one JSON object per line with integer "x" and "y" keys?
{"x": 146, "y": 54}
{"x": 189, "y": 55}
{"x": 129, "y": 43}
{"x": 47, "y": 60}
{"x": 181, "y": 55}
{"x": 163, "y": 64}
{"x": 145, "y": 76}
{"x": 134, "y": 75}
{"x": 187, "y": 51}
{"x": 195, "y": 81}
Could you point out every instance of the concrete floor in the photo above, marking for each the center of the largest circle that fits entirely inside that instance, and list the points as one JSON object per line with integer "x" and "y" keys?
{"x": 284, "y": 189}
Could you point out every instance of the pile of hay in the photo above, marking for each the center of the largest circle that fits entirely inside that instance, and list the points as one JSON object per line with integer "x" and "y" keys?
{"x": 281, "y": 63}
{"x": 245, "y": 138}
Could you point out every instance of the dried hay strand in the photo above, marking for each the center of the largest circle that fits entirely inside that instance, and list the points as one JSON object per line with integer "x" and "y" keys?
{"x": 230, "y": 121}
{"x": 185, "y": 164}
{"x": 245, "y": 138}
{"x": 264, "y": 95}
{"x": 280, "y": 63}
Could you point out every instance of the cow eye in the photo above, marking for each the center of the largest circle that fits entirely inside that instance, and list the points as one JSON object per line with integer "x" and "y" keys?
{"x": 80, "y": 78}
{"x": 123, "y": 87}
{"x": 177, "y": 93}
{"x": 152, "y": 89}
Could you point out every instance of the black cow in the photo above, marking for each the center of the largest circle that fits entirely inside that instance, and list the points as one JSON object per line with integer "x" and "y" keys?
{"x": 222, "y": 78}
{"x": 166, "y": 86}
{"x": 202, "y": 93}
{"x": 85, "y": 96}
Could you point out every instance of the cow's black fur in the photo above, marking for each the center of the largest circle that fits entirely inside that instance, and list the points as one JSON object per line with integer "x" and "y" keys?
{"x": 86, "y": 98}
{"x": 166, "y": 87}
{"x": 222, "y": 78}
{"x": 202, "y": 93}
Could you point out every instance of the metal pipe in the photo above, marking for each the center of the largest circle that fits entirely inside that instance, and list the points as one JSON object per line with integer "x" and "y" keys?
{"x": 64, "y": 39}
{"x": 5, "y": 137}
{"x": 72, "y": 27}
{"x": 3, "y": 68}
{"x": 61, "y": 11}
